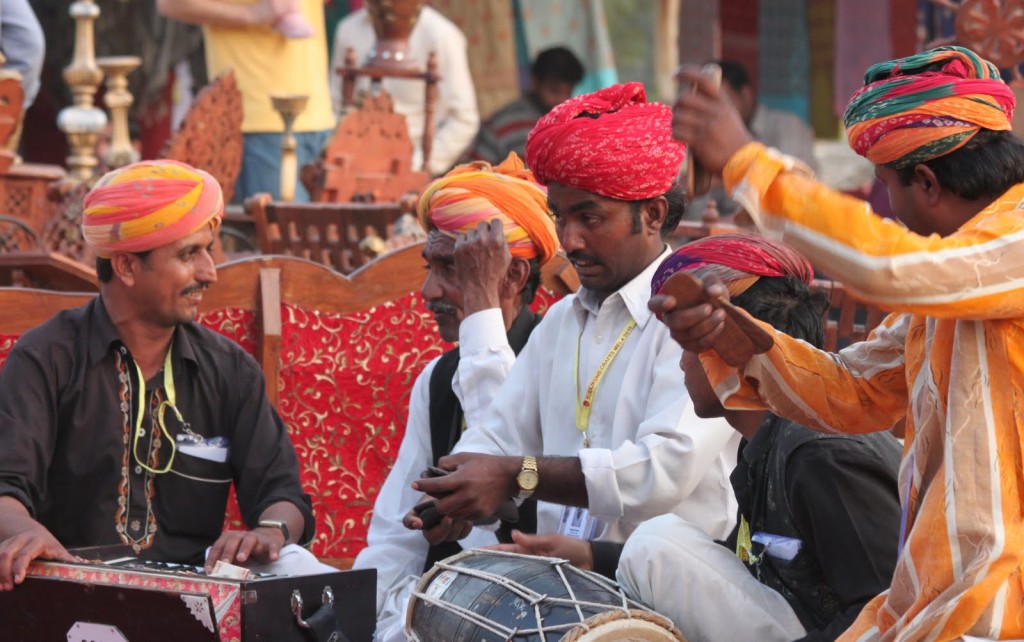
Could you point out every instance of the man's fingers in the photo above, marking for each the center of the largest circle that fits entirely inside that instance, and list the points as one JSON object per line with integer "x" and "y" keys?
{"x": 248, "y": 542}
{"x": 661, "y": 303}
{"x": 435, "y": 486}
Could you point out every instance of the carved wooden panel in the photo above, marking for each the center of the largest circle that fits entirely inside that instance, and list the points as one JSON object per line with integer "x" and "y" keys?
{"x": 327, "y": 233}
{"x": 370, "y": 156}
{"x": 210, "y": 136}
{"x": 62, "y": 232}
{"x": 24, "y": 193}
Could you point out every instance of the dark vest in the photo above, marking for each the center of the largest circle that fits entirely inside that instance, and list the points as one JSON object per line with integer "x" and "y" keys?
{"x": 446, "y": 428}
{"x": 800, "y": 580}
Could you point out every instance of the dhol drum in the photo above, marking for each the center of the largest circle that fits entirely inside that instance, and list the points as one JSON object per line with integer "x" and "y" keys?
{"x": 483, "y": 595}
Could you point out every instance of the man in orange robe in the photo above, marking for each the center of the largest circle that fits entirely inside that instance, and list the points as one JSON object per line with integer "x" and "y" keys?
{"x": 950, "y": 359}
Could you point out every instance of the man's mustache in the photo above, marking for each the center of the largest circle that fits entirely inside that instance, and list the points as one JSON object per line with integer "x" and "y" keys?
{"x": 576, "y": 255}
{"x": 440, "y": 307}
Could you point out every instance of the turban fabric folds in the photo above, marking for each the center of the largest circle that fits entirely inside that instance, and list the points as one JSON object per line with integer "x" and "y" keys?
{"x": 918, "y": 108}
{"x": 458, "y": 201}
{"x": 146, "y": 205}
{"x": 611, "y": 142}
{"x": 737, "y": 260}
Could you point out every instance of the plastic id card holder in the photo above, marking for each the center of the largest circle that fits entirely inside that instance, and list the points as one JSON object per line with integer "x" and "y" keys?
{"x": 577, "y": 522}
{"x": 779, "y": 547}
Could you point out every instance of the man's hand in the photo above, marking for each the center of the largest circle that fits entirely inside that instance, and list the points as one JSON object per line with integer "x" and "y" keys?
{"x": 478, "y": 485}
{"x": 446, "y": 530}
{"x": 707, "y": 121}
{"x": 481, "y": 262}
{"x": 19, "y": 550}
{"x": 260, "y": 545}
{"x": 577, "y": 551}
{"x": 694, "y": 328}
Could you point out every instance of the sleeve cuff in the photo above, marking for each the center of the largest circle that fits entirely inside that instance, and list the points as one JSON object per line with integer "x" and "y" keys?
{"x": 602, "y": 490}
{"x": 482, "y": 331}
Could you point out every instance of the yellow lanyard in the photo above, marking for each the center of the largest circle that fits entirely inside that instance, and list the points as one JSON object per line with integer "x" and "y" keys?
{"x": 167, "y": 403}
{"x": 583, "y": 409}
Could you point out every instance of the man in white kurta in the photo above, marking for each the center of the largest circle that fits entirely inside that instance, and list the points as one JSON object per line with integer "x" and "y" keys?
{"x": 483, "y": 254}
{"x": 456, "y": 119}
{"x": 597, "y": 396}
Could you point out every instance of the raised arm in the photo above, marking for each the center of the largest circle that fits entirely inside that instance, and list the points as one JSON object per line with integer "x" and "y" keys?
{"x": 974, "y": 273}
{"x": 219, "y": 13}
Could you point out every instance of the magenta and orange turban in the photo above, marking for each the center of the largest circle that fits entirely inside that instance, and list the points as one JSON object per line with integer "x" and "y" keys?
{"x": 458, "y": 201}
{"x": 146, "y": 205}
{"x": 918, "y": 108}
{"x": 611, "y": 142}
{"x": 737, "y": 260}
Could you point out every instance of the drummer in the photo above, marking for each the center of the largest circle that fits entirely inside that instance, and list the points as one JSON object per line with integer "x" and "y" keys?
{"x": 819, "y": 515}
{"x": 592, "y": 420}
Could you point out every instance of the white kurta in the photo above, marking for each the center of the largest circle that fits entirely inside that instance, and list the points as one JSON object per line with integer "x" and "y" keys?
{"x": 396, "y": 552}
{"x": 456, "y": 118}
{"x": 649, "y": 453}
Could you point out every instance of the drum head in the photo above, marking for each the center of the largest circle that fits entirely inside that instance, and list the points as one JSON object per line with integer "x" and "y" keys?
{"x": 479, "y": 596}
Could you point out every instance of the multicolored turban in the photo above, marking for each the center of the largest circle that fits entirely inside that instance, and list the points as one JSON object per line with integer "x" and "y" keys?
{"x": 146, "y": 205}
{"x": 737, "y": 260}
{"x": 918, "y": 108}
{"x": 458, "y": 201}
{"x": 611, "y": 142}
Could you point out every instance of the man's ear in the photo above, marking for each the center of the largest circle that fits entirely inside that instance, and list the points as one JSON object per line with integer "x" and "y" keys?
{"x": 516, "y": 276}
{"x": 927, "y": 183}
{"x": 125, "y": 266}
{"x": 655, "y": 212}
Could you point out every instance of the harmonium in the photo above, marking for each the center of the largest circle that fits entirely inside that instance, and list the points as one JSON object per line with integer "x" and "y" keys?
{"x": 130, "y": 600}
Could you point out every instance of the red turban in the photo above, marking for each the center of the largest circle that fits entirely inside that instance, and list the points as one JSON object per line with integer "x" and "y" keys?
{"x": 611, "y": 142}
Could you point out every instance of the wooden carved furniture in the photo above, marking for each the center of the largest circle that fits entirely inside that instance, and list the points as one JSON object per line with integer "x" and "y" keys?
{"x": 82, "y": 122}
{"x": 848, "y": 320}
{"x": 118, "y": 99}
{"x": 369, "y": 157}
{"x": 210, "y": 136}
{"x": 16, "y": 235}
{"x": 12, "y": 98}
{"x": 328, "y": 233}
{"x": 24, "y": 193}
{"x": 289, "y": 106}
{"x": 46, "y": 270}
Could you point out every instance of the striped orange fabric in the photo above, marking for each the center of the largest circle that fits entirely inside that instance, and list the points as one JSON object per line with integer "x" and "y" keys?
{"x": 950, "y": 359}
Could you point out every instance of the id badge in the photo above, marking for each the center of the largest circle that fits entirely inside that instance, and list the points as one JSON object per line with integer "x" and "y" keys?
{"x": 577, "y": 522}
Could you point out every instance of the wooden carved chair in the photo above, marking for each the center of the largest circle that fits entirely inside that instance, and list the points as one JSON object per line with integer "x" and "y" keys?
{"x": 369, "y": 158}
{"x": 210, "y": 136}
{"x": 340, "y": 354}
{"x": 849, "y": 320}
{"x": 46, "y": 270}
{"x": 328, "y": 233}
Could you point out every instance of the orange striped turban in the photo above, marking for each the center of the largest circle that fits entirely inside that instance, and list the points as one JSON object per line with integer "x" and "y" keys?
{"x": 146, "y": 205}
{"x": 458, "y": 201}
{"x": 918, "y": 108}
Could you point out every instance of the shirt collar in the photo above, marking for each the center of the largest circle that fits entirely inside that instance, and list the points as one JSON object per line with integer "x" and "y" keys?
{"x": 103, "y": 334}
{"x": 634, "y": 295}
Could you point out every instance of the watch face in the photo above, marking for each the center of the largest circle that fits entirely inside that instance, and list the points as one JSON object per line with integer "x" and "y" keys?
{"x": 528, "y": 479}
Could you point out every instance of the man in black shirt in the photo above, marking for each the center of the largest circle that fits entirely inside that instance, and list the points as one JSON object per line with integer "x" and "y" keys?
{"x": 818, "y": 520}
{"x": 123, "y": 421}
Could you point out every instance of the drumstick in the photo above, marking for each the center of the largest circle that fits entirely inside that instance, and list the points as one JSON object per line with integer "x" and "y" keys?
{"x": 714, "y": 73}
{"x": 740, "y": 339}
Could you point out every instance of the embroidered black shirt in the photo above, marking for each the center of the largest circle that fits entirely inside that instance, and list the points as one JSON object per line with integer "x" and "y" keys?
{"x": 68, "y": 404}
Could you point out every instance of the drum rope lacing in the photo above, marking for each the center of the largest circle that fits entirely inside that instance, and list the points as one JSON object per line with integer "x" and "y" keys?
{"x": 533, "y": 598}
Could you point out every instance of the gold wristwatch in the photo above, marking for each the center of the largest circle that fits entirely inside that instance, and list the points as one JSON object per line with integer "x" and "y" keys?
{"x": 528, "y": 477}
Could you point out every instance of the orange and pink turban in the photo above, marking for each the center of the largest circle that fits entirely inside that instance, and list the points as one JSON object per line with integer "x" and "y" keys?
{"x": 737, "y": 260}
{"x": 458, "y": 201}
{"x": 146, "y": 205}
{"x": 918, "y": 108}
{"x": 611, "y": 142}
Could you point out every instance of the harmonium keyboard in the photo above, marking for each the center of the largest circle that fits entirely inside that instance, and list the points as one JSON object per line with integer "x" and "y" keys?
{"x": 130, "y": 600}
